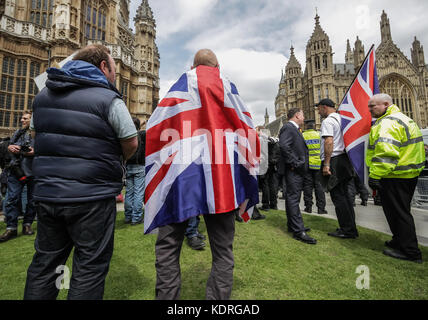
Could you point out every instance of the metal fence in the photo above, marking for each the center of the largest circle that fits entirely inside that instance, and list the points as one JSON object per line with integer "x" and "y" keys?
{"x": 420, "y": 198}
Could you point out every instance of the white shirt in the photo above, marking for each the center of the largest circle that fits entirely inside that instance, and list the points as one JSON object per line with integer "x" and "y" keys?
{"x": 297, "y": 126}
{"x": 330, "y": 127}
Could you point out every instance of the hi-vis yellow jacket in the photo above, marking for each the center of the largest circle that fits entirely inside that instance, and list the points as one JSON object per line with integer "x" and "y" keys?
{"x": 313, "y": 141}
{"x": 396, "y": 148}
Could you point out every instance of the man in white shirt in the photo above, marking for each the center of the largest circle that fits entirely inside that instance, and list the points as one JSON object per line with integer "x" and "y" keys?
{"x": 336, "y": 169}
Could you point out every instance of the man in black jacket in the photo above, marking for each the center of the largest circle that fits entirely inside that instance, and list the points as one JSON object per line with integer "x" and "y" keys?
{"x": 20, "y": 175}
{"x": 293, "y": 165}
{"x": 269, "y": 180}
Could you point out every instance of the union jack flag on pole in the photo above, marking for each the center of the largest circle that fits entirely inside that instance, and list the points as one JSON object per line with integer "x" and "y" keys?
{"x": 202, "y": 152}
{"x": 354, "y": 111}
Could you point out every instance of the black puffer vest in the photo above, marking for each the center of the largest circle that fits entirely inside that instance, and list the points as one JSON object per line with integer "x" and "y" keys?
{"x": 78, "y": 157}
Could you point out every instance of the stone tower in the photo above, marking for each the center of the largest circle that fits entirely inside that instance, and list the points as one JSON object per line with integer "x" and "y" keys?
{"x": 385, "y": 29}
{"x": 319, "y": 68}
{"x": 266, "y": 118}
{"x": 417, "y": 52}
{"x": 280, "y": 100}
{"x": 359, "y": 54}
{"x": 349, "y": 56}
{"x": 146, "y": 51}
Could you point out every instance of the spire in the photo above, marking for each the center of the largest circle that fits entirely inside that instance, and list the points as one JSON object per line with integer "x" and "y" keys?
{"x": 349, "y": 56}
{"x": 292, "y": 62}
{"x": 319, "y": 33}
{"x": 144, "y": 12}
{"x": 385, "y": 29}
{"x": 266, "y": 118}
{"x": 359, "y": 53}
{"x": 417, "y": 52}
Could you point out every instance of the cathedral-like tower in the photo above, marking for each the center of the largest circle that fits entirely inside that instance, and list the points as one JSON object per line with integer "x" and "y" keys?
{"x": 38, "y": 34}
{"x": 418, "y": 57}
{"x": 359, "y": 54}
{"x": 319, "y": 66}
{"x": 385, "y": 29}
{"x": 147, "y": 51}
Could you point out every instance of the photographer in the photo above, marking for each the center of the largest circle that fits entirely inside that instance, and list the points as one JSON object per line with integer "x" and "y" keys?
{"x": 22, "y": 153}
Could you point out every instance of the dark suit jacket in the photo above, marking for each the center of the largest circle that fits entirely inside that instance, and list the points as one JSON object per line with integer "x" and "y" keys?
{"x": 294, "y": 151}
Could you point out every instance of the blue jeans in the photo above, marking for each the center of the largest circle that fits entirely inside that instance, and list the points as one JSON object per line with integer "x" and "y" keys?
{"x": 192, "y": 227}
{"x": 134, "y": 195}
{"x": 12, "y": 207}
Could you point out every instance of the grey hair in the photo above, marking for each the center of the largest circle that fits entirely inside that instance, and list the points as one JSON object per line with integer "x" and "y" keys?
{"x": 383, "y": 97}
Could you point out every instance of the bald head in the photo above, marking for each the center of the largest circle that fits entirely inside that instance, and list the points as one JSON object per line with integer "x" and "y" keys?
{"x": 205, "y": 57}
{"x": 379, "y": 103}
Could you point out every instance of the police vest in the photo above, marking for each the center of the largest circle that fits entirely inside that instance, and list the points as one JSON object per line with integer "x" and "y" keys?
{"x": 396, "y": 147}
{"x": 313, "y": 141}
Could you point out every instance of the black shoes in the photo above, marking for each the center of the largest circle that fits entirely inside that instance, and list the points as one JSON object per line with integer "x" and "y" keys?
{"x": 196, "y": 243}
{"x": 322, "y": 211}
{"x": 397, "y": 254}
{"x": 340, "y": 234}
{"x": 302, "y": 236}
{"x": 390, "y": 244}
{"x": 258, "y": 216}
{"x": 308, "y": 210}
{"x": 273, "y": 207}
{"x": 264, "y": 207}
{"x": 364, "y": 203}
{"x": 9, "y": 234}
{"x": 27, "y": 231}
{"x": 306, "y": 229}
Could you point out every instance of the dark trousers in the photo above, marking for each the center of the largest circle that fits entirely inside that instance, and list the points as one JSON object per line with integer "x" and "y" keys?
{"x": 192, "y": 227}
{"x": 89, "y": 228}
{"x": 13, "y": 202}
{"x": 221, "y": 232}
{"x": 396, "y": 196}
{"x": 293, "y": 186}
{"x": 357, "y": 187}
{"x": 270, "y": 188}
{"x": 311, "y": 182}
{"x": 344, "y": 207}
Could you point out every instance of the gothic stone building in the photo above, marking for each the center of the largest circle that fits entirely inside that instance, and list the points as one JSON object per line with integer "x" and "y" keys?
{"x": 38, "y": 34}
{"x": 405, "y": 80}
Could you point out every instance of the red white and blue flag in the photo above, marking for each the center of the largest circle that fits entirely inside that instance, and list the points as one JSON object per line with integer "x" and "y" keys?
{"x": 354, "y": 111}
{"x": 202, "y": 152}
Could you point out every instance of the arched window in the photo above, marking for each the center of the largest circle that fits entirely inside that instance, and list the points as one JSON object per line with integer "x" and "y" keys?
{"x": 291, "y": 84}
{"x": 41, "y": 12}
{"x": 324, "y": 61}
{"x": 401, "y": 94}
{"x": 95, "y": 20}
{"x": 317, "y": 63}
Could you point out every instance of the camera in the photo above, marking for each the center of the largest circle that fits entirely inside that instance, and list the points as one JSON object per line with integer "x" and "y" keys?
{"x": 25, "y": 148}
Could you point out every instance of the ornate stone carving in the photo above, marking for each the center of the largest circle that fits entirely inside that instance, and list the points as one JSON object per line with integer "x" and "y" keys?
{"x": 10, "y": 25}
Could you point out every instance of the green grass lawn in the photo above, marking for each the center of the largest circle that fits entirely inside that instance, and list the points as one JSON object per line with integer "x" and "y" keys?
{"x": 269, "y": 264}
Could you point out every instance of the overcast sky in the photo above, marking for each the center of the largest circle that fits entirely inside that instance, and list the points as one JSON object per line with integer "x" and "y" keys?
{"x": 252, "y": 38}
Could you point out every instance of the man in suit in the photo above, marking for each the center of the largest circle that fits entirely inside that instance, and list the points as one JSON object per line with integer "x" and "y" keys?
{"x": 293, "y": 165}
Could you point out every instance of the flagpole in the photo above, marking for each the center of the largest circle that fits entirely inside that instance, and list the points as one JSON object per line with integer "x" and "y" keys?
{"x": 356, "y": 75}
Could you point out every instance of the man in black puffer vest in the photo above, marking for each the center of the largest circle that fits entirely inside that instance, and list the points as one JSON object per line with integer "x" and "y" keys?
{"x": 83, "y": 133}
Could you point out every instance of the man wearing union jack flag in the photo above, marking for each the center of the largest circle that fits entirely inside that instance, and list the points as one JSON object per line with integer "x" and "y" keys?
{"x": 202, "y": 156}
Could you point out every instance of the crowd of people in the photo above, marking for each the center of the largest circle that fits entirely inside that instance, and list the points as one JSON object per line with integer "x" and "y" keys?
{"x": 80, "y": 146}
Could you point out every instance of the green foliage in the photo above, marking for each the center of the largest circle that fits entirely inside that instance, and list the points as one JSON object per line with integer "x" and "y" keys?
{"x": 269, "y": 264}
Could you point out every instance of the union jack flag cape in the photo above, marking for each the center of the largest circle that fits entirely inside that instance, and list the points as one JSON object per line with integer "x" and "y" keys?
{"x": 202, "y": 152}
{"x": 356, "y": 118}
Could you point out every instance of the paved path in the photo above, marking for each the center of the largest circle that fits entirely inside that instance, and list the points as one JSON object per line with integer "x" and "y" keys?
{"x": 372, "y": 217}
